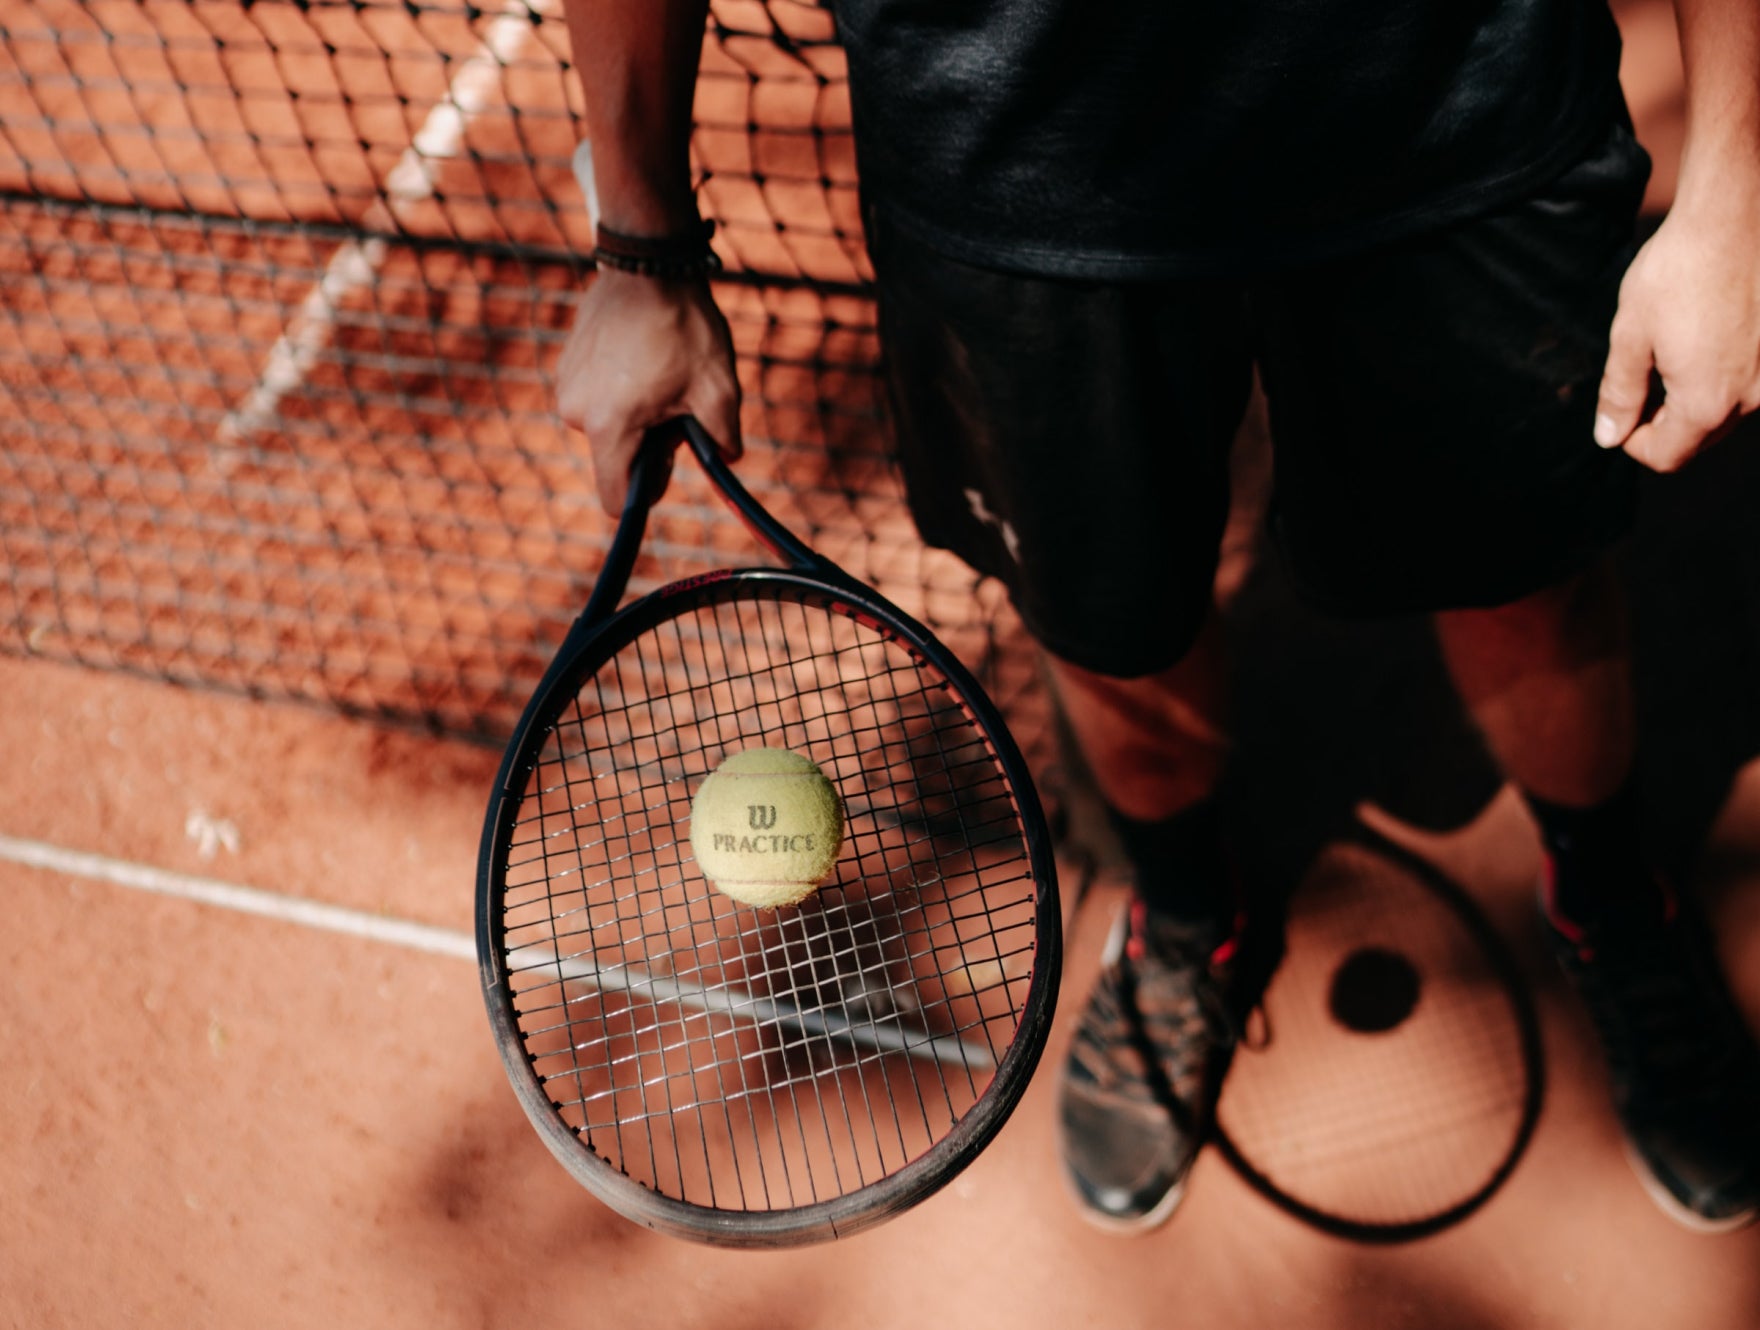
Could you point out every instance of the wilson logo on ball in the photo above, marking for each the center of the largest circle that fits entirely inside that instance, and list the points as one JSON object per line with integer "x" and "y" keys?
{"x": 766, "y": 827}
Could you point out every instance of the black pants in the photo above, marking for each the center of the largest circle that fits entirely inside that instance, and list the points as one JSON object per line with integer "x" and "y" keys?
{"x": 1431, "y": 407}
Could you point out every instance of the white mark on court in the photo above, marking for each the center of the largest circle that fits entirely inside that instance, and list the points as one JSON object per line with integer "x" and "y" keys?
{"x": 981, "y": 511}
{"x": 210, "y": 834}
{"x": 245, "y": 900}
{"x": 413, "y": 180}
{"x": 727, "y": 998}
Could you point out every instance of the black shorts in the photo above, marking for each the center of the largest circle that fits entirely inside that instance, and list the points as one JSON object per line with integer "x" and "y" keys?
{"x": 1431, "y": 406}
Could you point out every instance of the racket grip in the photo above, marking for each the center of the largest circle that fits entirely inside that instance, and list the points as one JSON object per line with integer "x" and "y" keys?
{"x": 650, "y": 470}
{"x": 647, "y": 480}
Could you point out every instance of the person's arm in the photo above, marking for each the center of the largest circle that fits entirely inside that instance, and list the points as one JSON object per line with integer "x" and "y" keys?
{"x": 643, "y": 349}
{"x": 1690, "y": 303}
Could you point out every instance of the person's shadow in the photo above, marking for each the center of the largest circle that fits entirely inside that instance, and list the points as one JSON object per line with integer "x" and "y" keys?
{"x": 1331, "y": 713}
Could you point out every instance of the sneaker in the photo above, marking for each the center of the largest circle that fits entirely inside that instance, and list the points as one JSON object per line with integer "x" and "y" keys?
{"x": 1684, "y": 1066}
{"x": 1145, "y": 1066}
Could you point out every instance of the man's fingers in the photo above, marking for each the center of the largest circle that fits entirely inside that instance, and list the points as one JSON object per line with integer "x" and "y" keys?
{"x": 611, "y": 469}
{"x": 718, "y": 414}
{"x": 714, "y": 401}
{"x": 1666, "y": 440}
{"x": 1625, "y": 384}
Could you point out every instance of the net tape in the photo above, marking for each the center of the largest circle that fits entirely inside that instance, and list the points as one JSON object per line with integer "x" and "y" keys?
{"x": 284, "y": 284}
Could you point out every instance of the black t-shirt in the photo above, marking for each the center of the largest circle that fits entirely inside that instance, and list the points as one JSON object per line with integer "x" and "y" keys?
{"x": 1103, "y": 138}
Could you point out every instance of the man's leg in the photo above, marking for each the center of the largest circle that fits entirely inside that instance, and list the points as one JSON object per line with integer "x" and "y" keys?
{"x": 1072, "y": 440}
{"x": 1154, "y": 746}
{"x": 1548, "y": 679}
{"x": 1432, "y": 405}
{"x": 1151, "y": 1047}
{"x": 1156, "y": 743}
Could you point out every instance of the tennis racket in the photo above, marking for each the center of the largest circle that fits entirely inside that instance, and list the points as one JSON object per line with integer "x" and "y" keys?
{"x": 747, "y": 1077}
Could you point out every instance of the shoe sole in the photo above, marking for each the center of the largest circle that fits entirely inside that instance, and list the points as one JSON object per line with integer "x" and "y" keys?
{"x": 1672, "y": 1206}
{"x": 1118, "y": 1225}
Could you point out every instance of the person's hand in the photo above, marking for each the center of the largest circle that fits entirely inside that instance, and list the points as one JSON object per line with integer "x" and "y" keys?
{"x": 642, "y": 352}
{"x": 1689, "y": 309}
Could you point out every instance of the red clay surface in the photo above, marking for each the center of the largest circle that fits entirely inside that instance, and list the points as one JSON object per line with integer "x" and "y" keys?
{"x": 212, "y": 1119}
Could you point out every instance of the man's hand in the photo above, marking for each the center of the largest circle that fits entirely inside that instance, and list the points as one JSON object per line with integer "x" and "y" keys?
{"x": 643, "y": 351}
{"x": 1689, "y": 308}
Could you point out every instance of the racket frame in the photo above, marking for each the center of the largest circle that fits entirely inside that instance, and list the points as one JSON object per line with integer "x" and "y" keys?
{"x": 595, "y": 637}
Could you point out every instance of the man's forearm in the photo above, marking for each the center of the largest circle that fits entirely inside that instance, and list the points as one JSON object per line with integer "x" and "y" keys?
{"x": 637, "y": 62}
{"x": 1720, "y": 50}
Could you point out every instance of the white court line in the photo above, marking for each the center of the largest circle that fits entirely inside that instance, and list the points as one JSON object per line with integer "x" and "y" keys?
{"x": 412, "y": 180}
{"x": 245, "y": 900}
{"x": 727, "y": 999}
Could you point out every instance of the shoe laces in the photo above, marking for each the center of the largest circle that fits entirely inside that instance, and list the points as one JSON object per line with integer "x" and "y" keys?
{"x": 1655, "y": 1003}
{"x": 1161, "y": 1013}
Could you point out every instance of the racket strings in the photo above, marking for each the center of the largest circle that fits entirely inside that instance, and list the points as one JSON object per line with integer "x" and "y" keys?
{"x": 904, "y": 940}
{"x": 972, "y": 757}
{"x": 743, "y": 1060}
{"x": 909, "y": 943}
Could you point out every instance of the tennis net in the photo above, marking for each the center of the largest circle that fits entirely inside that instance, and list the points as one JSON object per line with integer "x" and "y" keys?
{"x": 284, "y": 283}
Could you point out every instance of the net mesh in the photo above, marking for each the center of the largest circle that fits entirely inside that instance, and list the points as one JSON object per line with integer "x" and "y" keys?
{"x": 284, "y": 284}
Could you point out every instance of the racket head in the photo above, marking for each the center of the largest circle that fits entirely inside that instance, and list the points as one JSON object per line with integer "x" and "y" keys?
{"x": 736, "y": 1076}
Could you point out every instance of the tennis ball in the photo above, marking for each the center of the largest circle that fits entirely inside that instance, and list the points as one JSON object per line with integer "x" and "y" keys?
{"x": 766, "y": 827}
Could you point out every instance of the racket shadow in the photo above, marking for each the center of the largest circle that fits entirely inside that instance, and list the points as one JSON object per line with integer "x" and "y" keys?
{"x": 1403, "y": 1077}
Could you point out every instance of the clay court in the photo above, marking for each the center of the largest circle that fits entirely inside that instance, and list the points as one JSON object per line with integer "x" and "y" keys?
{"x": 281, "y": 570}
